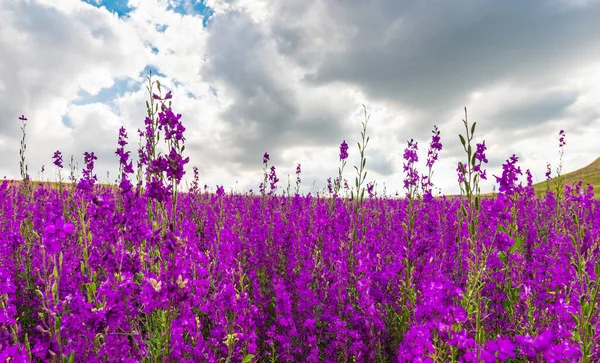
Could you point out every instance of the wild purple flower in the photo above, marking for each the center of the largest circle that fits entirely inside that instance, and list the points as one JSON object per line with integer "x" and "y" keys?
{"x": 434, "y": 147}
{"x": 88, "y": 179}
{"x": 370, "y": 187}
{"x": 298, "y": 172}
{"x": 157, "y": 190}
{"x": 548, "y": 171}
{"x": 412, "y": 175}
{"x": 460, "y": 172}
{"x": 480, "y": 153}
{"x": 510, "y": 176}
{"x": 195, "y": 183}
{"x": 171, "y": 125}
{"x": 265, "y": 158}
{"x": 58, "y": 160}
{"x": 561, "y": 140}
{"x": 23, "y": 118}
{"x": 55, "y": 232}
{"x": 343, "y": 150}
{"x": 175, "y": 166}
{"x": 529, "y": 178}
{"x": 273, "y": 179}
{"x": 124, "y": 155}
{"x": 501, "y": 348}
{"x": 544, "y": 341}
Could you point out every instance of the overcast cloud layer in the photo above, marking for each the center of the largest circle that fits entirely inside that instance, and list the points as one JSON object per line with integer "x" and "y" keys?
{"x": 289, "y": 77}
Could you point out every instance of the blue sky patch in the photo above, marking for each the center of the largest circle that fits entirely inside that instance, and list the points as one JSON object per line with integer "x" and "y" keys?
{"x": 66, "y": 120}
{"x": 121, "y": 7}
{"x": 106, "y": 95}
{"x": 161, "y": 28}
{"x": 193, "y": 7}
{"x": 150, "y": 68}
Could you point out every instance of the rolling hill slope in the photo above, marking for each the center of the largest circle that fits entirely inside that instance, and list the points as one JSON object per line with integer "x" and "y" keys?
{"x": 588, "y": 175}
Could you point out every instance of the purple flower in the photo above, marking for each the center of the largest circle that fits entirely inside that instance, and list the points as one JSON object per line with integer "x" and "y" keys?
{"x": 343, "y": 150}
{"x": 23, "y": 118}
{"x": 412, "y": 175}
{"x": 544, "y": 341}
{"x": 561, "y": 140}
{"x": 88, "y": 179}
{"x": 266, "y": 158}
{"x": 460, "y": 172}
{"x": 434, "y": 147}
{"x": 370, "y": 187}
{"x": 175, "y": 165}
{"x": 480, "y": 153}
{"x": 298, "y": 172}
{"x": 58, "y": 160}
{"x": 548, "y": 171}
{"x": 510, "y": 176}
{"x": 171, "y": 124}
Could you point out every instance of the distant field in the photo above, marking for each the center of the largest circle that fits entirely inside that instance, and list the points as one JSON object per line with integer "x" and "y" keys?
{"x": 589, "y": 175}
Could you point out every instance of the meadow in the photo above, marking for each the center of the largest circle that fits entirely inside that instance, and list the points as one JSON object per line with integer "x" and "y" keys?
{"x": 147, "y": 271}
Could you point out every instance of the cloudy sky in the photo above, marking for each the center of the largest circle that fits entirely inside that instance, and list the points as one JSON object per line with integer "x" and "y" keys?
{"x": 289, "y": 77}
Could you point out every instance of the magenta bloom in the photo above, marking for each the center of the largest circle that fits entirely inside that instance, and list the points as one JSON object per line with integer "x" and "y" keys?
{"x": 58, "y": 160}
{"x": 561, "y": 140}
{"x": 343, "y": 150}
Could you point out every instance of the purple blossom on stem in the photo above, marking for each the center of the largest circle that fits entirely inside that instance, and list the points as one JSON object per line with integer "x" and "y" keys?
{"x": 343, "y": 150}
{"x": 88, "y": 179}
{"x": 434, "y": 147}
{"x": 510, "y": 176}
{"x": 412, "y": 175}
{"x": 58, "y": 159}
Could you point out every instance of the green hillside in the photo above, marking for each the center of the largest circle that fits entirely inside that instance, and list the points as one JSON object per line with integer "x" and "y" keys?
{"x": 588, "y": 175}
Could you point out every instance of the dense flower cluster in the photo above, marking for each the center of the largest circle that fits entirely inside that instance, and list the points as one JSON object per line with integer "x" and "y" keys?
{"x": 100, "y": 273}
{"x": 277, "y": 277}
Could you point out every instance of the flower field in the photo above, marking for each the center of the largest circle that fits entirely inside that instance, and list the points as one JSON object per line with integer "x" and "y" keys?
{"x": 147, "y": 272}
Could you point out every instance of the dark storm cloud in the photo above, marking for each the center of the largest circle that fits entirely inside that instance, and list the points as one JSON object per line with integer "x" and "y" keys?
{"x": 265, "y": 114}
{"x": 544, "y": 108}
{"x": 432, "y": 55}
{"x": 423, "y": 56}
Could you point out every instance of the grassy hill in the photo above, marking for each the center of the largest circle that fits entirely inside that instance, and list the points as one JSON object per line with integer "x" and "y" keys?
{"x": 588, "y": 175}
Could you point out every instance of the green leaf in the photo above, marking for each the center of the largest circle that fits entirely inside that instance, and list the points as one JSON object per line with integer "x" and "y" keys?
{"x": 473, "y": 128}
{"x": 573, "y": 241}
{"x": 502, "y": 257}
{"x": 517, "y": 245}
{"x": 248, "y": 358}
{"x": 576, "y": 267}
{"x": 462, "y": 140}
